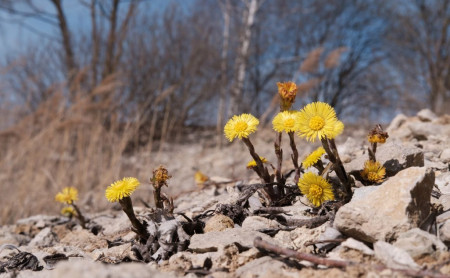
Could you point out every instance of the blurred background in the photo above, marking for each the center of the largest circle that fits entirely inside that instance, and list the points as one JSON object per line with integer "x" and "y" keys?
{"x": 93, "y": 90}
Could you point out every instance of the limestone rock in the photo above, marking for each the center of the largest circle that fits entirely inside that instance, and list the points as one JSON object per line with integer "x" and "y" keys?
{"x": 43, "y": 239}
{"x": 210, "y": 242}
{"x": 84, "y": 240}
{"x": 84, "y": 268}
{"x": 266, "y": 267}
{"x": 399, "y": 204}
{"x": 297, "y": 238}
{"x": 444, "y": 233}
{"x": 426, "y": 115}
{"x": 445, "y": 156}
{"x": 330, "y": 233}
{"x": 394, "y": 257}
{"x": 354, "y": 244}
{"x": 417, "y": 243}
{"x": 394, "y": 156}
{"x": 217, "y": 223}
{"x": 259, "y": 223}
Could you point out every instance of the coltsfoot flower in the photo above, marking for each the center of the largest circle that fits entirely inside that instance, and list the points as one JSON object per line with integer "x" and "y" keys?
{"x": 287, "y": 92}
{"x": 317, "y": 120}
{"x": 200, "y": 178}
{"x": 252, "y": 163}
{"x": 68, "y": 211}
{"x": 121, "y": 188}
{"x": 373, "y": 171}
{"x": 285, "y": 121}
{"x": 240, "y": 126}
{"x": 160, "y": 175}
{"x": 67, "y": 196}
{"x": 315, "y": 188}
{"x": 377, "y": 135}
{"x": 338, "y": 129}
{"x": 313, "y": 157}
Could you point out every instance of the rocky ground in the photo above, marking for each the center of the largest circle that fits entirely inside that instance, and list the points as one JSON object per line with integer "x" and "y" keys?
{"x": 398, "y": 228}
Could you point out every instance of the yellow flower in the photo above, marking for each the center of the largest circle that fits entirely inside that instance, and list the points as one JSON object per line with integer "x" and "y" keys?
{"x": 252, "y": 163}
{"x": 376, "y": 138}
{"x": 68, "y": 211}
{"x": 373, "y": 171}
{"x": 285, "y": 121}
{"x": 200, "y": 178}
{"x": 287, "y": 92}
{"x": 338, "y": 129}
{"x": 240, "y": 126}
{"x": 317, "y": 119}
{"x": 313, "y": 157}
{"x": 121, "y": 188}
{"x": 160, "y": 175}
{"x": 315, "y": 188}
{"x": 67, "y": 196}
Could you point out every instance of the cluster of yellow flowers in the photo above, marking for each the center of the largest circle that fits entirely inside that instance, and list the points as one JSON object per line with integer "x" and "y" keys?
{"x": 121, "y": 188}
{"x": 316, "y": 120}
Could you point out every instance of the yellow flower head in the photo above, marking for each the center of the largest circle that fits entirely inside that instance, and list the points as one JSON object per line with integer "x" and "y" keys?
{"x": 313, "y": 158}
{"x": 377, "y": 135}
{"x": 67, "y": 196}
{"x": 68, "y": 211}
{"x": 160, "y": 175}
{"x": 121, "y": 188}
{"x": 240, "y": 126}
{"x": 285, "y": 121}
{"x": 287, "y": 92}
{"x": 200, "y": 178}
{"x": 252, "y": 163}
{"x": 338, "y": 129}
{"x": 317, "y": 119}
{"x": 376, "y": 138}
{"x": 315, "y": 188}
{"x": 373, "y": 171}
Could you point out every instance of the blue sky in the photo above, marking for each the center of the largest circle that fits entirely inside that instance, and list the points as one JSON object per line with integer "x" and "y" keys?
{"x": 16, "y": 33}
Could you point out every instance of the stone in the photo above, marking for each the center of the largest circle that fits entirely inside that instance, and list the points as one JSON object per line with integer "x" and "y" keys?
{"x": 84, "y": 240}
{"x": 330, "y": 233}
{"x": 84, "y": 268}
{"x": 397, "y": 122}
{"x": 417, "y": 243}
{"x": 397, "y": 205}
{"x": 217, "y": 223}
{"x": 260, "y": 223}
{"x": 442, "y": 218}
{"x": 265, "y": 267}
{"x": 444, "y": 233}
{"x": 445, "y": 156}
{"x": 394, "y": 257}
{"x": 443, "y": 182}
{"x": 362, "y": 192}
{"x": 354, "y": 244}
{"x": 43, "y": 239}
{"x": 298, "y": 238}
{"x": 393, "y": 155}
{"x": 210, "y": 242}
{"x": 426, "y": 115}
{"x": 423, "y": 131}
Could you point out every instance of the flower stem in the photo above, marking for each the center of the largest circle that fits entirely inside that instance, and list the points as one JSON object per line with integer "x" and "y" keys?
{"x": 294, "y": 156}
{"x": 330, "y": 147}
{"x": 138, "y": 227}
{"x": 79, "y": 216}
{"x": 372, "y": 152}
{"x": 264, "y": 174}
{"x": 279, "y": 153}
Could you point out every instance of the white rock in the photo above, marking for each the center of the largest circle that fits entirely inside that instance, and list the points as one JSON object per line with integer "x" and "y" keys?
{"x": 417, "y": 243}
{"x": 445, "y": 156}
{"x": 43, "y": 239}
{"x": 354, "y": 244}
{"x": 394, "y": 257}
{"x": 259, "y": 223}
{"x": 444, "y": 233}
{"x": 210, "y": 242}
{"x": 397, "y": 205}
{"x": 426, "y": 115}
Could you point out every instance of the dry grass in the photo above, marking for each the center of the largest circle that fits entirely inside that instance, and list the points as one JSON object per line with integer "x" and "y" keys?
{"x": 58, "y": 145}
